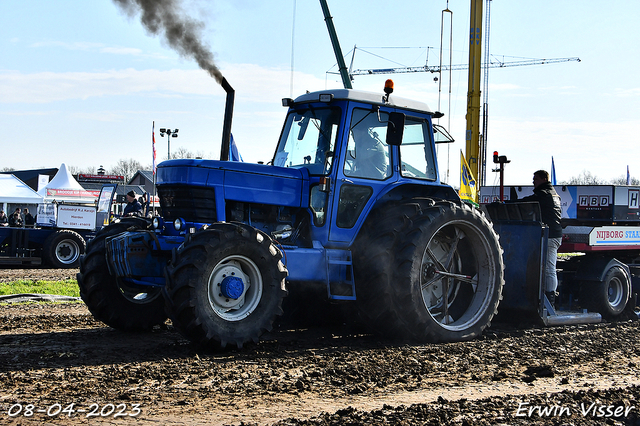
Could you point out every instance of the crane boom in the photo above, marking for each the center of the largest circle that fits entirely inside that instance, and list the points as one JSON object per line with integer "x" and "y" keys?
{"x": 346, "y": 80}
{"x": 460, "y": 67}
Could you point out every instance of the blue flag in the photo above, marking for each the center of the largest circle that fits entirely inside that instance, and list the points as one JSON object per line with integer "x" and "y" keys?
{"x": 235, "y": 155}
{"x": 628, "y": 176}
{"x": 553, "y": 172}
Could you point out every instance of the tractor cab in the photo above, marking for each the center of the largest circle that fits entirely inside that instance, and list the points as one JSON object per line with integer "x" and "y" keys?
{"x": 360, "y": 147}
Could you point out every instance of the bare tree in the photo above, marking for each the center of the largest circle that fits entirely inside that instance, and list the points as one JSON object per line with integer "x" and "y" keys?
{"x": 183, "y": 152}
{"x": 127, "y": 168}
{"x": 585, "y": 178}
{"x": 87, "y": 170}
{"x": 7, "y": 169}
{"x": 622, "y": 180}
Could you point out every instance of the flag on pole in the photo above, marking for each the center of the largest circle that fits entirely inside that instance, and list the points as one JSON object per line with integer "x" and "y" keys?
{"x": 553, "y": 172}
{"x": 628, "y": 176}
{"x": 153, "y": 146}
{"x": 468, "y": 189}
{"x": 235, "y": 155}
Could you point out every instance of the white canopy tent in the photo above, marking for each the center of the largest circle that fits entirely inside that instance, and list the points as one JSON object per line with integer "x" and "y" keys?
{"x": 64, "y": 187}
{"x": 14, "y": 191}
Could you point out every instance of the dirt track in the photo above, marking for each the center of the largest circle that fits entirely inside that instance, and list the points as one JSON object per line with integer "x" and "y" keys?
{"x": 57, "y": 354}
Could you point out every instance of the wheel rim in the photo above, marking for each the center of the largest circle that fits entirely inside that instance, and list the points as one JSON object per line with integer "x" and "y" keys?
{"x": 615, "y": 292}
{"x": 458, "y": 275}
{"x": 246, "y": 274}
{"x": 67, "y": 251}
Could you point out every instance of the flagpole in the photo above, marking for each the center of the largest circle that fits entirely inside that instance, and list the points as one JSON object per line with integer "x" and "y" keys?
{"x": 153, "y": 167}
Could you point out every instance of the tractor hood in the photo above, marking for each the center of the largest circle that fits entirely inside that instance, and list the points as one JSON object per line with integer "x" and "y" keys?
{"x": 246, "y": 182}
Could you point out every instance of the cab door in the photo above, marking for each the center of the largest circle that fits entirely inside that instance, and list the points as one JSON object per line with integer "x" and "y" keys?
{"x": 365, "y": 168}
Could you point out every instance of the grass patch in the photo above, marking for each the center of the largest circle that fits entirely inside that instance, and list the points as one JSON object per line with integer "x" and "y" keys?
{"x": 62, "y": 288}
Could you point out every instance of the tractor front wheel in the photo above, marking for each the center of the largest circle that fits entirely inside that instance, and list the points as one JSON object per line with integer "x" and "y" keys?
{"x": 113, "y": 301}
{"x": 225, "y": 285}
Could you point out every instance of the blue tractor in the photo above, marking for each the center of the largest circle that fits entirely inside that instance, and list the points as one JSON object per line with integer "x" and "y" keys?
{"x": 351, "y": 203}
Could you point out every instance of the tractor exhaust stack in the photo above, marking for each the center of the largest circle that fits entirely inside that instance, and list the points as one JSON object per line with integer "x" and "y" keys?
{"x": 228, "y": 117}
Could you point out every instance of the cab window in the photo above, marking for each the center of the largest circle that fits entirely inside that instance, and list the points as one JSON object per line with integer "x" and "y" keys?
{"x": 416, "y": 151}
{"x": 368, "y": 154}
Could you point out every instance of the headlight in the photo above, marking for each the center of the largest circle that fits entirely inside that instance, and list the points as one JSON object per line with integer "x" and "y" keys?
{"x": 179, "y": 224}
{"x": 156, "y": 223}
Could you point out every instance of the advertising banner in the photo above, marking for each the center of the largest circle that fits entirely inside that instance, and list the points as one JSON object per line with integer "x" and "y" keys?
{"x": 46, "y": 215}
{"x": 76, "y": 217}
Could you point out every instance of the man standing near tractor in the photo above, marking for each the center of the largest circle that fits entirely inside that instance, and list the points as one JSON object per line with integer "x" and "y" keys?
{"x": 551, "y": 210}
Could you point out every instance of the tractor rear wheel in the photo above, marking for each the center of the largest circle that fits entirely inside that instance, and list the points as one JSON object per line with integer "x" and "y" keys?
{"x": 225, "y": 285}
{"x": 373, "y": 259}
{"x": 444, "y": 274}
{"x": 118, "y": 304}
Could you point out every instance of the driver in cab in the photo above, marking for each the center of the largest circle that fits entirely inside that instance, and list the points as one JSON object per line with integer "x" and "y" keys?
{"x": 370, "y": 160}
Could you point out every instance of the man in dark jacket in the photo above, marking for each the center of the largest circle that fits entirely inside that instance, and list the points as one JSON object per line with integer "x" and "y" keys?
{"x": 551, "y": 211}
{"x": 133, "y": 207}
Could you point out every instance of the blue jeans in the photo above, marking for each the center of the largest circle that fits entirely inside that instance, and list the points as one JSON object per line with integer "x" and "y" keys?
{"x": 550, "y": 277}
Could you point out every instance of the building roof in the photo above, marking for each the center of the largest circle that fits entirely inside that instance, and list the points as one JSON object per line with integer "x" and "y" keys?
{"x": 30, "y": 177}
{"x": 147, "y": 174}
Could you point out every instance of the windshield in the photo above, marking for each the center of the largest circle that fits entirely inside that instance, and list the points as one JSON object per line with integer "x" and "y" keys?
{"x": 308, "y": 139}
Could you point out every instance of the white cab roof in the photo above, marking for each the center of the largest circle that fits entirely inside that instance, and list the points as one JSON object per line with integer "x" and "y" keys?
{"x": 367, "y": 97}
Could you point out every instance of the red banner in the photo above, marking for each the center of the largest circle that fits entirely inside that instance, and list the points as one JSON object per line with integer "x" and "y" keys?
{"x": 72, "y": 193}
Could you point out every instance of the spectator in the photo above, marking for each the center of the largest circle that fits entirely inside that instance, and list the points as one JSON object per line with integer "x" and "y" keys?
{"x": 28, "y": 218}
{"x": 4, "y": 220}
{"x": 15, "y": 219}
{"x": 133, "y": 207}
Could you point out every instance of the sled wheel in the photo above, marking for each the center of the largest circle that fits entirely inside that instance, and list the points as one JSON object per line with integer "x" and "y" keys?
{"x": 609, "y": 297}
{"x": 116, "y": 303}
{"x": 225, "y": 285}
{"x": 63, "y": 249}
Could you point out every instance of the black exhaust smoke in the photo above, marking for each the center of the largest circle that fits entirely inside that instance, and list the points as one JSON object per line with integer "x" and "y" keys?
{"x": 165, "y": 18}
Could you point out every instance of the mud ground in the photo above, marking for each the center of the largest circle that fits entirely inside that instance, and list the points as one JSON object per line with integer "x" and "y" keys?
{"x": 58, "y": 366}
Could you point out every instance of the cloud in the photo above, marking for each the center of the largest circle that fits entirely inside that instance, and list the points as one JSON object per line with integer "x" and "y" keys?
{"x": 45, "y": 87}
{"x": 627, "y": 93}
{"x": 122, "y": 51}
{"x": 93, "y": 47}
{"x": 251, "y": 82}
{"x": 85, "y": 46}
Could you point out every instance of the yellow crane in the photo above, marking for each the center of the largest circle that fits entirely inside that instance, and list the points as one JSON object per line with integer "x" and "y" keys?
{"x": 472, "y": 135}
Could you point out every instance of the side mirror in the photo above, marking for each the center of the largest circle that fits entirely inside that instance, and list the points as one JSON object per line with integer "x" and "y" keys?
{"x": 303, "y": 127}
{"x": 395, "y": 128}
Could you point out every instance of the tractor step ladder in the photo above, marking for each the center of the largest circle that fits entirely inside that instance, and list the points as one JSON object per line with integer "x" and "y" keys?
{"x": 340, "y": 282}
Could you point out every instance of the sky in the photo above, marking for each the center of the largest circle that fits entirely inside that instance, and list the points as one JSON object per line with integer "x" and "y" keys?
{"x": 82, "y": 83}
